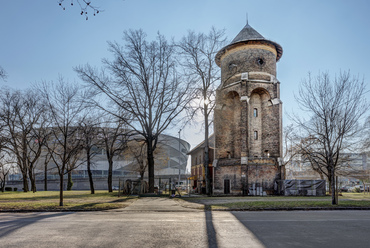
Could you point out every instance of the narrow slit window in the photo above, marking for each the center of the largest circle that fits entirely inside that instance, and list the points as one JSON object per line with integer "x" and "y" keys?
{"x": 255, "y": 112}
{"x": 255, "y": 135}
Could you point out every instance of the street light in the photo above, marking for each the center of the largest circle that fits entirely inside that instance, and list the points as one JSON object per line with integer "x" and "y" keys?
{"x": 179, "y": 160}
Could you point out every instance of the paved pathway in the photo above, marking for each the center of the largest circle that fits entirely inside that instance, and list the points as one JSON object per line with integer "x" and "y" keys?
{"x": 159, "y": 204}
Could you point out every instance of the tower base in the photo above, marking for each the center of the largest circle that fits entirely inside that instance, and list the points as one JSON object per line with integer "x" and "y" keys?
{"x": 257, "y": 177}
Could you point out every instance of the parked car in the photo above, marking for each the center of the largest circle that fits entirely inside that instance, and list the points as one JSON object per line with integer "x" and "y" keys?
{"x": 345, "y": 188}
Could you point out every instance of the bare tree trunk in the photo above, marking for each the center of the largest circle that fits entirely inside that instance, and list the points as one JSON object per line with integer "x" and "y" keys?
{"x": 110, "y": 175}
{"x": 332, "y": 186}
{"x": 61, "y": 178}
{"x": 46, "y": 177}
{"x": 32, "y": 179}
{"x": 25, "y": 180}
{"x": 90, "y": 173}
{"x": 69, "y": 180}
{"x": 150, "y": 166}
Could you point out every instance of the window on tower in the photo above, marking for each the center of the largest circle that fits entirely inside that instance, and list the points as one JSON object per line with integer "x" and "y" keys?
{"x": 255, "y": 135}
{"x": 255, "y": 112}
{"x": 260, "y": 61}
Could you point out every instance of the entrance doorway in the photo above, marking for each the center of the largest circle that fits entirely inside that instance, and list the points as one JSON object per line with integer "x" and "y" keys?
{"x": 227, "y": 186}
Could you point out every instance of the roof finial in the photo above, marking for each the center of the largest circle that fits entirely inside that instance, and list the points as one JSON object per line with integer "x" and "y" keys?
{"x": 247, "y": 17}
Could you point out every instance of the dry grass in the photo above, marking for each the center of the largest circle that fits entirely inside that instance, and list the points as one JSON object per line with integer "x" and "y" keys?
{"x": 73, "y": 201}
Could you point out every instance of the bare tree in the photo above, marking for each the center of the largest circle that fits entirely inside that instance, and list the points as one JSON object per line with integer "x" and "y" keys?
{"x": 76, "y": 160}
{"x": 291, "y": 149}
{"x": 85, "y": 6}
{"x": 114, "y": 138}
{"x": 144, "y": 84}
{"x": 7, "y": 166}
{"x": 136, "y": 152}
{"x": 334, "y": 108}
{"x": 4, "y": 171}
{"x": 22, "y": 114}
{"x": 89, "y": 130}
{"x": 37, "y": 117}
{"x": 47, "y": 157}
{"x": 366, "y": 136}
{"x": 11, "y": 104}
{"x": 198, "y": 53}
{"x": 65, "y": 104}
{"x": 3, "y": 74}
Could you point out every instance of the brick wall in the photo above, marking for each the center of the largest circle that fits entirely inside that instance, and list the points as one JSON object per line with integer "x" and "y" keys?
{"x": 248, "y": 74}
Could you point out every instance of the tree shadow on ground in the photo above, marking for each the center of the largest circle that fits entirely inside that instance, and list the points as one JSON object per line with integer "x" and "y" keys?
{"x": 211, "y": 232}
{"x": 19, "y": 221}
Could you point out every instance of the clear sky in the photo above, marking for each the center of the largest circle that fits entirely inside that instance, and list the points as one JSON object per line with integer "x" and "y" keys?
{"x": 39, "y": 41}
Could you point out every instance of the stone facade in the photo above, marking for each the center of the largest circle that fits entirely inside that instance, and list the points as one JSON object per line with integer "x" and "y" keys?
{"x": 248, "y": 117}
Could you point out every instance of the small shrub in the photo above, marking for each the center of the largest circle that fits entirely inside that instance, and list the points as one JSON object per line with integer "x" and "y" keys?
{"x": 8, "y": 189}
{"x": 357, "y": 190}
{"x": 15, "y": 189}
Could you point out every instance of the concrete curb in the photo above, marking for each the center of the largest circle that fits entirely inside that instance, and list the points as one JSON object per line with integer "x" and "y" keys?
{"x": 296, "y": 209}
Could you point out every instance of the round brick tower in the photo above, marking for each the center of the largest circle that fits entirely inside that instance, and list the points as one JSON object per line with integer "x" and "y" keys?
{"x": 248, "y": 115}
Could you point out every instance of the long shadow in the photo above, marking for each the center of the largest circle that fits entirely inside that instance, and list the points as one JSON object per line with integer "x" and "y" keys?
{"x": 211, "y": 232}
{"x": 56, "y": 197}
{"x": 307, "y": 228}
{"x": 19, "y": 221}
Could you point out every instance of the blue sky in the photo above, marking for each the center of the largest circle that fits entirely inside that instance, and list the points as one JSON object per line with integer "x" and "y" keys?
{"x": 39, "y": 41}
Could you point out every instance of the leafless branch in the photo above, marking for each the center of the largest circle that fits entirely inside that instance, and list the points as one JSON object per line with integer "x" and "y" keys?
{"x": 85, "y": 6}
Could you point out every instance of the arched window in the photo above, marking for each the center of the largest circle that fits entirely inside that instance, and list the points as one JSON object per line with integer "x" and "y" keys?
{"x": 255, "y": 135}
{"x": 255, "y": 112}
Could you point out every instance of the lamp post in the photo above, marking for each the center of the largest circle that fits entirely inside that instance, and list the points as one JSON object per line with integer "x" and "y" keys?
{"x": 179, "y": 160}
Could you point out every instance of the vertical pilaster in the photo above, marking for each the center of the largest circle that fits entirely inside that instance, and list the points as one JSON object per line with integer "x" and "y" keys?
{"x": 244, "y": 127}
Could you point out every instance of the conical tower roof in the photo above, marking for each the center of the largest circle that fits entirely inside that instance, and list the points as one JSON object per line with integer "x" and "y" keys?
{"x": 249, "y": 34}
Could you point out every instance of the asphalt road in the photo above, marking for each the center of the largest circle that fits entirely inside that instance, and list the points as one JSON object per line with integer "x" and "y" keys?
{"x": 160, "y": 222}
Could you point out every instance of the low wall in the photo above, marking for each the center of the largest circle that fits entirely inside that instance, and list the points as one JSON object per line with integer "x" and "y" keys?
{"x": 301, "y": 187}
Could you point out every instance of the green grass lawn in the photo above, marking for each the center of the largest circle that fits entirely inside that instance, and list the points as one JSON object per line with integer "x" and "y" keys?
{"x": 347, "y": 200}
{"x": 73, "y": 200}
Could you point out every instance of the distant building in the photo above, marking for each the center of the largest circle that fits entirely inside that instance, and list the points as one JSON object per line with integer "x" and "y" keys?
{"x": 170, "y": 161}
{"x": 198, "y": 182}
